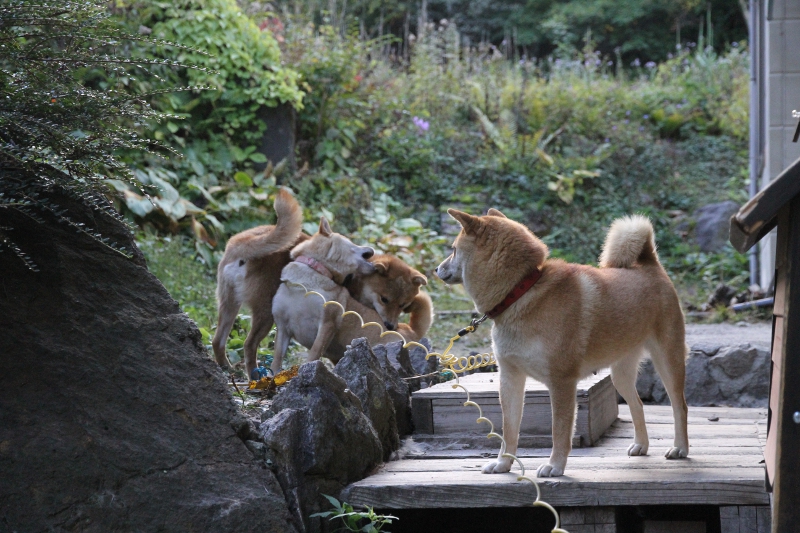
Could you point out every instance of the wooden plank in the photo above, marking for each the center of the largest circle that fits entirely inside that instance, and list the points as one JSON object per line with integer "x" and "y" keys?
{"x": 603, "y": 411}
{"x": 786, "y": 490}
{"x": 487, "y": 384}
{"x": 619, "y": 450}
{"x": 734, "y": 486}
{"x": 664, "y": 431}
{"x": 745, "y": 519}
{"x": 483, "y": 442}
{"x": 764, "y": 514}
{"x": 583, "y": 463}
{"x": 750, "y": 413}
{"x": 651, "y": 419}
{"x": 758, "y": 216}
{"x": 422, "y": 415}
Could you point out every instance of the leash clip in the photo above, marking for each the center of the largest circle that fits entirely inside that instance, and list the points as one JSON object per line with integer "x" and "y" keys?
{"x": 473, "y": 325}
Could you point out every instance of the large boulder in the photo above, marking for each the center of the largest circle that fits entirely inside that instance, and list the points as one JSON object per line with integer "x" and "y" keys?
{"x": 712, "y": 225}
{"x": 733, "y": 376}
{"x": 319, "y": 440}
{"x": 113, "y": 417}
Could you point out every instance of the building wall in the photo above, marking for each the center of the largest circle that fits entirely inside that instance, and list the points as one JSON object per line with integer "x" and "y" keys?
{"x": 782, "y": 37}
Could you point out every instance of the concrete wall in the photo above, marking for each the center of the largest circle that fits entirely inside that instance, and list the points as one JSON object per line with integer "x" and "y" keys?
{"x": 782, "y": 56}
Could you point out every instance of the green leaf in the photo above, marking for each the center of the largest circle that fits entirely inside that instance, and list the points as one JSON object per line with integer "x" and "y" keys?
{"x": 243, "y": 178}
{"x": 258, "y": 157}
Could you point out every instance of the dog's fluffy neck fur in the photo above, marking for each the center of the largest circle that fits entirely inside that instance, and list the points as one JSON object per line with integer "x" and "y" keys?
{"x": 526, "y": 249}
{"x": 320, "y": 254}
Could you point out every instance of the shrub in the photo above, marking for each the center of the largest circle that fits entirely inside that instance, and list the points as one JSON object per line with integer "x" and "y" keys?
{"x": 57, "y": 132}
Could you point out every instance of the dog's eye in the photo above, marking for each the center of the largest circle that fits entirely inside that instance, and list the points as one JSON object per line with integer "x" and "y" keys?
{"x": 384, "y": 300}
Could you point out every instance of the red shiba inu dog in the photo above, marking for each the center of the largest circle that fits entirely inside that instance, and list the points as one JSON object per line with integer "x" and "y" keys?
{"x": 558, "y": 322}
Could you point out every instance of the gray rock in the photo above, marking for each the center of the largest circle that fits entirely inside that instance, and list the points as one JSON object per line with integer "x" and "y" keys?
{"x": 705, "y": 348}
{"x": 713, "y": 225}
{"x": 399, "y": 392}
{"x": 319, "y": 440}
{"x": 397, "y": 356}
{"x": 733, "y": 376}
{"x": 113, "y": 416}
{"x": 417, "y": 356}
{"x": 366, "y": 378}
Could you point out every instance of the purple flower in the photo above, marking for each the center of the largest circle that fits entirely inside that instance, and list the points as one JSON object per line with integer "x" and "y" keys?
{"x": 627, "y": 113}
{"x": 636, "y": 63}
{"x": 641, "y": 128}
{"x": 646, "y": 117}
{"x": 614, "y": 128}
{"x": 607, "y": 139}
{"x": 422, "y": 124}
{"x": 650, "y": 64}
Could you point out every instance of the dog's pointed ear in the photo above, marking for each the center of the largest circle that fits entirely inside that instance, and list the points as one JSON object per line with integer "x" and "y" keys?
{"x": 419, "y": 280}
{"x": 468, "y": 222}
{"x": 492, "y": 212}
{"x": 324, "y": 227}
{"x": 380, "y": 267}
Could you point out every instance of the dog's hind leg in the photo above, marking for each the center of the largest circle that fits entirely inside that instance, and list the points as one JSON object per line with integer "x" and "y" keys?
{"x": 262, "y": 323}
{"x": 623, "y": 375}
{"x": 512, "y": 398}
{"x": 669, "y": 359}
{"x": 329, "y": 323}
{"x": 282, "y": 339}
{"x": 228, "y": 308}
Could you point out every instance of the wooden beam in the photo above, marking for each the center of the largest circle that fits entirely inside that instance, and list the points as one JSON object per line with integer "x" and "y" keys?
{"x": 786, "y": 489}
{"x": 757, "y": 217}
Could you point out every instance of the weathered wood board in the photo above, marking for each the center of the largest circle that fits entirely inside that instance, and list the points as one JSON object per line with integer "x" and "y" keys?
{"x": 725, "y": 468}
{"x": 439, "y": 412}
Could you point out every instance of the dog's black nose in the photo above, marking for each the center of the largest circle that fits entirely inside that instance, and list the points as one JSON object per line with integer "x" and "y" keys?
{"x": 369, "y": 253}
{"x": 389, "y": 326}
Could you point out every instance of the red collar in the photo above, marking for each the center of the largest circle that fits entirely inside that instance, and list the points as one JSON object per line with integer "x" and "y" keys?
{"x": 516, "y": 293}
{"x": 316, "y": 265}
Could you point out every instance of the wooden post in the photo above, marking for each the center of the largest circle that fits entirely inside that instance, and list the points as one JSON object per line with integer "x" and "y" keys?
{"x": 783, "y": 441}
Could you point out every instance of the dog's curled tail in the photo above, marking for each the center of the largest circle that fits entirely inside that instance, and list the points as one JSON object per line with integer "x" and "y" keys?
{"x": 420, "y": 318}
{"x": 629, "y": 241}
{"x": 265, "y": 240}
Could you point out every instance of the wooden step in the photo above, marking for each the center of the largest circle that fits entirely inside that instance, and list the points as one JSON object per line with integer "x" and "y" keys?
{"x": 440, "y": 416}
{"x": 721, "y": 470}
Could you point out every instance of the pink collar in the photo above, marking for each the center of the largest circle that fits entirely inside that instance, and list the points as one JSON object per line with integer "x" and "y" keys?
{"x": 316, "y": 265}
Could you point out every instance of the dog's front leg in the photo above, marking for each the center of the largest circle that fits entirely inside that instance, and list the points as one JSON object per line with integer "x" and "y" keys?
{"x": 329, "y": 323}
{"x": 512, "y": 400}
{"x": 562, "y": 403}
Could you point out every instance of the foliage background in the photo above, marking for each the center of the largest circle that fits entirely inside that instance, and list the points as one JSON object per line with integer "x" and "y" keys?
{"x": 394, "y": 125}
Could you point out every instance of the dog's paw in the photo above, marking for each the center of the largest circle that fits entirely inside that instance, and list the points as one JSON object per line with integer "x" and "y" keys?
{"x": 500, "y": 466}
{"x": 676, "y": 453}
{"x": 637, "y": 449}
{"x": 548, "y": 470}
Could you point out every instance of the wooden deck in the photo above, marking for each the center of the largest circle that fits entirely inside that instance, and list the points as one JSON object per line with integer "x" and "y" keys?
{"x": 725, "y": 468}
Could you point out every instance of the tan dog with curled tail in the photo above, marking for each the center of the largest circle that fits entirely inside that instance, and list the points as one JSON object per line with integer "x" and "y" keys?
{"x": 572, "y": 320}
